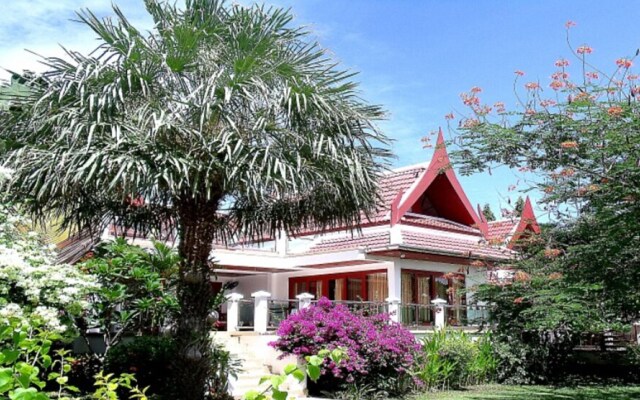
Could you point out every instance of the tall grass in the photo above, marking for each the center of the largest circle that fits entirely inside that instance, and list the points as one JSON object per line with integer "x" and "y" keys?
{"x": 453, "y": 359}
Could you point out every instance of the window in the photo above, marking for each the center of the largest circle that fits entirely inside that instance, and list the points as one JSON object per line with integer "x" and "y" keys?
{"x": 351, "y": 286}
{"x": 419, "y": 288}
{"x": 377, "y": 287}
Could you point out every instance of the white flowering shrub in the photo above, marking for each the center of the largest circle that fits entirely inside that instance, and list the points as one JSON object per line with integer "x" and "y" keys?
{"x": 32, "y": 281}
{"x": 38, "y": 301}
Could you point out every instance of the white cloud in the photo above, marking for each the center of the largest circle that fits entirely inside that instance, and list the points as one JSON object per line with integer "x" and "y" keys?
{"x": 43, "y": 25}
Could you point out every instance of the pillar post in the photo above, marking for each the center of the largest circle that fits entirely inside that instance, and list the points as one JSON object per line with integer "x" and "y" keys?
{"x": 233, "y": 311}
{"x": 394, "y": 280}
{"x": 440, "y": 312}
{"x": 394, "y": 309}
{"x": 261, "y": 311}
{"x": 304, "y": 300}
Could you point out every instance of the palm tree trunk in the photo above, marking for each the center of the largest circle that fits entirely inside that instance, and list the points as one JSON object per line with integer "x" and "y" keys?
{"x": 192, "y": 364}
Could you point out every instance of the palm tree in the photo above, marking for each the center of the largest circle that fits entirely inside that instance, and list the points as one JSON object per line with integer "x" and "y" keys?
{"x": 222, "y": 118}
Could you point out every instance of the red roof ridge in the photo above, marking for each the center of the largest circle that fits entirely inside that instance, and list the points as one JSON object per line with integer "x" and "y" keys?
{"x": 439, "y": 164}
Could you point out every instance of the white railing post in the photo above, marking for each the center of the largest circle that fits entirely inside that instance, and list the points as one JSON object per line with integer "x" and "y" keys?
{"x": 304, "y": 300}
{"x": 440, "y": 312}
{"x": 261, "y": 311}
{"x": 636, "y": 325}
{"x": 394, "y": 309}
{"x": 233, "y": 311}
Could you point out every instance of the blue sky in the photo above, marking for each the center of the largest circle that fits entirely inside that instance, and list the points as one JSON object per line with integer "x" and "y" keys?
{"x": 414, "y": 57}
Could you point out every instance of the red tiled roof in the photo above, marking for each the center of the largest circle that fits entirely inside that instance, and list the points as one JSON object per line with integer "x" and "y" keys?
{"x": 464, "y": 247}
{"x": 435, "y": 222}
{"x": 501, "y": 229}
{"x": 389, "y": 185}
{"x": 363, "y": 242}
{"x": 473, "y": 246}
{"x": 395, "y": 182}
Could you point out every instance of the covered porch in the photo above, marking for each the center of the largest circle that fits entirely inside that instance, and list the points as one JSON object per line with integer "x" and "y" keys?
{"x": 419, "y": 295}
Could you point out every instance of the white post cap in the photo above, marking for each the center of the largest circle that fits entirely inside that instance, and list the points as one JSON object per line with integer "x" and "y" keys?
{"x": 305, "y": 296}
{"x": 261, "y": 294}
{"x": 234, "y": 297}
{"x": 393, "y": 300}
{"x": 438, "y": 301}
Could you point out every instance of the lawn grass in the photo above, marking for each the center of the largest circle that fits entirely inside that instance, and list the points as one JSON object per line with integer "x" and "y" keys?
{"x": 505, "y": 392}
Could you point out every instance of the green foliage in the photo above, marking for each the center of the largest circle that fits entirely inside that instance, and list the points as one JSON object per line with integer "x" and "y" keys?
{"x": 582, "y": 147}
{"x": 506, "y": 392}
{"x": 107, "y": 387}
{"x": 279, "y": 385}
{"x": 27, "y": 362}
{"x": 216, "y": 102}
{"x": 137, "y": 289}
{"x": 488, "y": 213}
{"x": 221, "y": 118}
{"x": 452, "y": 359}
{"x": 518, "y": 207}
{"x": 223, "y": 368}
{"x": 149, "y": 358}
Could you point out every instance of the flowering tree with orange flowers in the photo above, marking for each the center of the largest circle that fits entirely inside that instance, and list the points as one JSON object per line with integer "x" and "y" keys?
{"x": 578, "y": 137}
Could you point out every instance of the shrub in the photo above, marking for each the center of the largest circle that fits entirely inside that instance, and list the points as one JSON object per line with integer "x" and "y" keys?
{"x": 452, "y": 359}
{"x": 379, "y": 351}
{"x": 148, "y": 357}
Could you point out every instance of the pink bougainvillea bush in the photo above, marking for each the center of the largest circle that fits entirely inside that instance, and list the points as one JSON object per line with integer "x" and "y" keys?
{"x": 379, "y": 351}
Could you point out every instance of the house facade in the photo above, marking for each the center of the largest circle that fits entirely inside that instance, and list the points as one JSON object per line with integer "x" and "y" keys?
{"x": 425, "y": 241}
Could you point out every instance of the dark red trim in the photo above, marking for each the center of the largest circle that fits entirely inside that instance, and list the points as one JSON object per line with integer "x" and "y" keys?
{"x": 325, "y": 278}
{"x": 440, "y": 228}
{"x": 395, "y": 216}
{"x": 423, "y": 257}
{"x": 339, "y": 229}
{"x": 528, "y": 222}
{"x": 440, "y": 165}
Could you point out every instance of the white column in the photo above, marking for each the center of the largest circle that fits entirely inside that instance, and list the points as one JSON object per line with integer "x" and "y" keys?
{"x": 440, "y": 312}
{"x": 394, "y": 309}
{"x": 261, "y": 311}
{"x": 304, "y": 300}
{"x": 394, "y": 280}
{"x": 233, "y": 311}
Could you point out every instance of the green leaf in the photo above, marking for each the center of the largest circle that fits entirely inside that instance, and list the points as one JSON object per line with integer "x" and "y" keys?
{"x": 10, "y": 356}
{"x": 315, "y": 360}
{"x": 6, "y": 379}
{"x": 299, "y": 375}
{"x": 289, "y": 368}
{"x": 277, "y": 380}
{"x": 278, "y": 395}
{"x": 314, "y": 372}
{"x": 253, "y": 395}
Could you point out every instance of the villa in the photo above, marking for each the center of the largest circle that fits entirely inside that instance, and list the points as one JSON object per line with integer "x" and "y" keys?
{"x": 425, "y": 241}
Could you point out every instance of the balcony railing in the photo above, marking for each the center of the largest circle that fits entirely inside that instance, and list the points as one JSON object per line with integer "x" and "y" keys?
{"x": 279, "y": 310}
{"x": 264, "y": 314}
{"x": 423, "y": 315}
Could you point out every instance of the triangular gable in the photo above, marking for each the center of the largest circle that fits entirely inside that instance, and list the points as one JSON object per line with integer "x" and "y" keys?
{"x": 449, "y": 197}
{"x": 528, "y": 222}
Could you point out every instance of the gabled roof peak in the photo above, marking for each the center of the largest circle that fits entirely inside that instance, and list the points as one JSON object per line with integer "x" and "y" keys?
{"x": 454, "y": 203}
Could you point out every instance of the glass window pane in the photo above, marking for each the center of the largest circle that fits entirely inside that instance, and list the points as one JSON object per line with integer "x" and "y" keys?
{"x": 354, "y": 289}
{"x": 336, "y": 287}
{"x": 377, "y": 287}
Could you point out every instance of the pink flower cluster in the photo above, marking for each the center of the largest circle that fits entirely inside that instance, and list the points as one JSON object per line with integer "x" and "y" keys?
{"x": 376, "y": 347}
